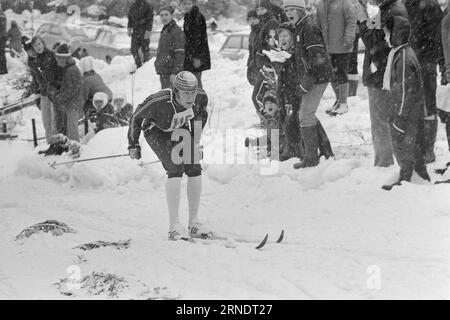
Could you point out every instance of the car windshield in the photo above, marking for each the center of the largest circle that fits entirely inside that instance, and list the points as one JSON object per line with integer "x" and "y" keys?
{"x": 74, "y": 32}
{"x": 233, "y": 42}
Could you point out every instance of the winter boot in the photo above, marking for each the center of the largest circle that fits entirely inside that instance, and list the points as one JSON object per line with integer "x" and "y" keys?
{"x": 421, "y": 170}
{"x": 430, "y": 132}
{"x": 199, "y": 231}
{"x": 179, "y": 233}
{"x": 406, "y": 172}
{"x": 442, "y": 171}
{"x": 330, "y": 109}
{"x": 324, "y": 143}
{"x": 311, "y": 142}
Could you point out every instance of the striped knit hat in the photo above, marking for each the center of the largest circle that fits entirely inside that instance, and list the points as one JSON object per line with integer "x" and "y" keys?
{"x": 63, "y": 51}
{"x": 185, "y": 81}
{"x": 296, "y": 4}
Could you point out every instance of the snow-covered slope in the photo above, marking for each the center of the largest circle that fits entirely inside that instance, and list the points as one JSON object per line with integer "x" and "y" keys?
{"x": 342, "y": 230}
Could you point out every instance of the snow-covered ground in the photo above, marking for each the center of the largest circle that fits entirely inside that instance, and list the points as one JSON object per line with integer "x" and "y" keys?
{"x": 345, "y": 237}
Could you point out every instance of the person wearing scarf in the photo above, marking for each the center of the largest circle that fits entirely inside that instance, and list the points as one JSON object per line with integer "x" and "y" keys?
{"x": 403, "y": 82}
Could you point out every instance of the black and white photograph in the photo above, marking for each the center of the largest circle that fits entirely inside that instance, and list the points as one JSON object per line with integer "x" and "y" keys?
{"x": 224, "y": 150}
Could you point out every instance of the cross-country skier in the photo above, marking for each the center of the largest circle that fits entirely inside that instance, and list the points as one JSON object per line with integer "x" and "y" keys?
{"x": 165, "y": 117}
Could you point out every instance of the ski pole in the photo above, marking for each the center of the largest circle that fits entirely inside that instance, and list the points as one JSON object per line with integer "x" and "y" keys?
{"x": 54, "y": 164}
{"x": 142, "y": 164}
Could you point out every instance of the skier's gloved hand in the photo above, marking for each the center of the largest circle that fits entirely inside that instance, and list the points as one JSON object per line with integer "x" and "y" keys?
{"x": 135, "y": 152}
{"x": 399, "y": 124}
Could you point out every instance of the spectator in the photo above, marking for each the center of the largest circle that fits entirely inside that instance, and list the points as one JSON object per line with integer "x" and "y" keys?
{"x": 36, "y": 75}
{"x": 3, "y": 38}
{"x": 425, "y": 17}
{"x": 46, "y": 63}
{"x": 375, "y": 60}
{"x": 255, "y": 25}
{"x": 337, "y": 20}
{"x": 140, "y": 24}
{"x": 170, "y": 57}
{"x": 444, "y": 109}
{"x": 277, "y": 11}
{"x": 403, "y": 82}
{"x": 265, "y": 40}
{"x": 91, "y": 83}
{"x": 197, "y": 58}
{"x": 314, "y": 71}
{"x": 15, "y": 39}
{"x": 68, "y": 98}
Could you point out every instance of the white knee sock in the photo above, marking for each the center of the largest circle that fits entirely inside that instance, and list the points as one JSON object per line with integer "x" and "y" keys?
{"x": 194, "y": 191}
{"x": 173, "y": 200}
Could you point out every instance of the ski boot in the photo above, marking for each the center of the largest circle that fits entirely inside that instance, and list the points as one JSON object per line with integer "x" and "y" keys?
{"x": 178, "y": 233}
{"x": 331, "y": 109}
{"x": 199, "y": 231}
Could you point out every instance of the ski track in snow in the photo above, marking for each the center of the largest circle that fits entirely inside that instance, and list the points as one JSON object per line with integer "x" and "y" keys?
{"x": 338, "y": 222}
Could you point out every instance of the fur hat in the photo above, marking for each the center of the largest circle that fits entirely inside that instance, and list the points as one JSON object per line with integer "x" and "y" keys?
{"x": 63, "y": 51}
{"x": 296, "y": 4}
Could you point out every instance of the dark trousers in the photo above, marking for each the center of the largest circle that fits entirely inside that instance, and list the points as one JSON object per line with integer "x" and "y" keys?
{"x": 139, "y": 43}
{"x": 381, "y": 133}
{"x": 340, "y": 63}
{"x": 409, "y": 149}
{"x": 429, "y": 76}
{"x": 198, "y": 75}
{"x": 3, "y": 68}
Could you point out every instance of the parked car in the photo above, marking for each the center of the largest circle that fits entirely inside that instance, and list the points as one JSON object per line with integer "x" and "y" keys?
{"x": 235, "y": 47}
{"x": 53, "y": 33}
{"x": 107, "y": 43}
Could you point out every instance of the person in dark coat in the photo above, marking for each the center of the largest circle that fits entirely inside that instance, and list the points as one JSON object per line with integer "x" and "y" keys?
{"x": 277, "y": 10}
{"x": 140, "y": 24}
{"x": 48, "y": 81}
{"x": 91, "y": 83}
{"x": 289, "y": 101}
{"x": 15, "y": 39}
{"x": 314, "y": 72}
{"x": 197, "y": 58}
{"x": 3, "y": 39}
{"x": 425, "y": 17}
{"x": 403, "y": 82}
{"x": 375, "y": 60}
{"x": 255, "y": 25}
{"x": 68, "y": 98}
{"x": 264, "y": 40}
{"x": 171, "y": 48}
{"x": 36, "y": 76}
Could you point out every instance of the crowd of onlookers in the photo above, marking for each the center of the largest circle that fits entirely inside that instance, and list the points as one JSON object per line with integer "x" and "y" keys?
{"x": 404, "y": 46}
{"x": 293, "y": 55}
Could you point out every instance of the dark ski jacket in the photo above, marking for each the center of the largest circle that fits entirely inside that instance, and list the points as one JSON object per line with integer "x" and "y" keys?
{"x": 407, "y": 93}
{"x": 377, "y": 50}
{"x": 140, "y": 17}
{"x": 36, "y": 75}
{"x": 51, "y": 73}
{"x": 91, "y": 83}
{"x": 196, "y": 45}
{"x": 425, "y": 17}
{"x": 69, "y": 95}
{"x": 287, "y": 83}
{"x": 160, "y": 112}
{"x": 252, "y": 68}
{"x": 171, "y": 50}
{"x": 268, "y": 23}
{"x": 311, "y": 58}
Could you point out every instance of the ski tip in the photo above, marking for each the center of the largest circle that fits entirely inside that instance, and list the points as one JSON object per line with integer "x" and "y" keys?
{"x": 280, "y": 239}
{"x": 263, "y": 243}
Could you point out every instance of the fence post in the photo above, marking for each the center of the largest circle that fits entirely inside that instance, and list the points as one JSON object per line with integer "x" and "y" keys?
{"x": 33, "y": 124}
